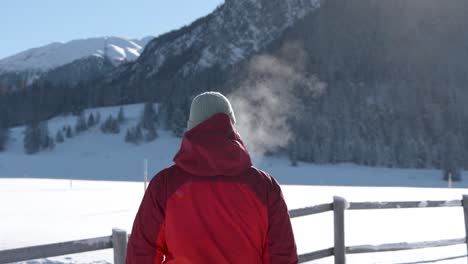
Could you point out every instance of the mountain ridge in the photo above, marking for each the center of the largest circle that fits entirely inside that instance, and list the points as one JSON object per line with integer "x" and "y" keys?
{"x": 44, "y": 58}
{"x": 378, "y": 83}
{"x": 230, "y": 34}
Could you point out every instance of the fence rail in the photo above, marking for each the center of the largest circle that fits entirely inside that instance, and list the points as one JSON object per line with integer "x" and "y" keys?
{"x": 403, "y": 246}
{"x": 317, "y": 209}
{"x": 118, "y": 239}
{"x": 316, "y": 255}
{"x": 340, "y": 205}
{"x": 403, "y": 205}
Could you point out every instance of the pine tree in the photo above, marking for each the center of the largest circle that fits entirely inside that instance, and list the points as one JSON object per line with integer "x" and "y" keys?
{"x": 91, "y": 120}
{"x": 47, "y": 142}
{"x": 68, "y": 132}
{"x": 4, "y": 132}
{"x": 59, "y": 137}
{"x": 32, "y": 138}
{"x": 80, "y": 125}
{"x": 105, "y": 127}
{"x": 130, "y": 136}
{"x": 149, "y": 116}
{"x": 4, "y": 135}
{"x": 110, "y": 126}
{"x": 451, "y": 159}
{"x": 50, "y": 143}
{"x": 179, "y": 123}
{"x": 151, "y": 133}
{"x": 98, "y": 118}
{"x": 134, "y": 135}
{"x": 115, "y": 127}
{"x": 44, "y": 131}
{"x": 138, "y": 133}
{"x": 167, "y": 112}
{"x": 121, "y": 116}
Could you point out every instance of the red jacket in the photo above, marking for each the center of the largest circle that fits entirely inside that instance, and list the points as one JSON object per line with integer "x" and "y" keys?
{"x": 212, "y": 206}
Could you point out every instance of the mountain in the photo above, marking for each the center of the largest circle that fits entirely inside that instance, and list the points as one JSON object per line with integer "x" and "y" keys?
{"x": 232, "y": 33}
{"x": 54, "y": 55}
{"x": 379, "y": 83}
{"x": 68, "y": 62}
{"x": 80, "y": 70}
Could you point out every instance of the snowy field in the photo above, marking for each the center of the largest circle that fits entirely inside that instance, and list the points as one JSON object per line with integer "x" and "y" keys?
{"x": 38, "y": 206}
{"x": 93, "y": 155}
{"x": 42, "y": 211}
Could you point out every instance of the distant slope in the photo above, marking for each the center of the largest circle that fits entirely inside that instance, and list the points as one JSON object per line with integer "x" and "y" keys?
{"x": 394, "y": 75}
{"x": 231, "y": 34}
{"x": 80, "y": 70}
{"x": 93, "y": 155}
{"x": 57, "y": 54}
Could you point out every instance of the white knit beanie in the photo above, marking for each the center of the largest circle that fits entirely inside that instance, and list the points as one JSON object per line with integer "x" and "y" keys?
{"x": 206, "y": 105}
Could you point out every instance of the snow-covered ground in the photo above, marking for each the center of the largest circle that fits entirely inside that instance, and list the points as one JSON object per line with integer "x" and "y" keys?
{"x": 93, "y": 155}
{"x": 90, "y": 155}
{"x": 107, "y": 190}
{"x": 42, "y": 211}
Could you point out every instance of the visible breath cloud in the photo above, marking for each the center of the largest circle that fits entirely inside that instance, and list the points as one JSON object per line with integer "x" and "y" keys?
{"x": 270, "y": 95}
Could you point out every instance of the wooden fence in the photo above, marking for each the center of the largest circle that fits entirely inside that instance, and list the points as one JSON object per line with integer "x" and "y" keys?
{"x": 340, "y": 205}
{"x": 118, "y": 239}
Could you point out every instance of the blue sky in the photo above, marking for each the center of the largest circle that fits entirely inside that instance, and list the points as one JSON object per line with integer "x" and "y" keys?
{"x": 26, "y": 24}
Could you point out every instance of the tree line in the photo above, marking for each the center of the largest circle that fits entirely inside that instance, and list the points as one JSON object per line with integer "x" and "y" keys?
{"x": 37, "y": 136}
{"x": 395, "y": 74}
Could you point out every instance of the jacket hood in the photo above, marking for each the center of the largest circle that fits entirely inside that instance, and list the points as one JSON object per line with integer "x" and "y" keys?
{"x": 213, "y": 148}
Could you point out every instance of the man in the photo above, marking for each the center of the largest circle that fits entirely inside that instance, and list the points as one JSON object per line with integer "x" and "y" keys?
{"x": 212, "y": 206}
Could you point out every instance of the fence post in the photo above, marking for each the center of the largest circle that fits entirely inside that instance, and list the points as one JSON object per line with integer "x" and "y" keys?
{"x": 339, "y": 207}
{"x": 465, "y": 210}
{"x": 119, "y": 243}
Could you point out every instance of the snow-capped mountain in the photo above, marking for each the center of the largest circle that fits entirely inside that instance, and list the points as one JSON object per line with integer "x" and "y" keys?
{"x": 47, "y": 57}
{"x": 233, "y": 32}
{"x": 366, "y": 88}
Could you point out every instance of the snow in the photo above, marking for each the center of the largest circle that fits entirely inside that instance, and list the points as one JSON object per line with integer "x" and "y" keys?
{"x": 237, "y": 53}
{"x": 58, "y": 54}
{"x": 42, "y": 211}
{"x": 119, "y": 50}
{"x": 453, "y": 203}
{"x": 207, "y": 58}
{"x": 232, "y": 34}
{"x": 93, "y": 155}
{"x": 93, "y": 241}
{"x": 135, "y": 52}
{"x": 376, "y": 227}
{"x": 48, "y": 211}
{"x": 92, "y": 183}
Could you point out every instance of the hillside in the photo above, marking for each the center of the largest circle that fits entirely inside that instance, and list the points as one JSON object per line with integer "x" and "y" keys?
{"x": 71, "y": 184}
{"x": 93, "y": 155}
{"x": 377, "y": 83}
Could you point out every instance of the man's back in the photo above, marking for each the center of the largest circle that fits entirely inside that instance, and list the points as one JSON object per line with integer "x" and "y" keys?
{"x": 219, "y": 219}
{"x": 212, "y": 206}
